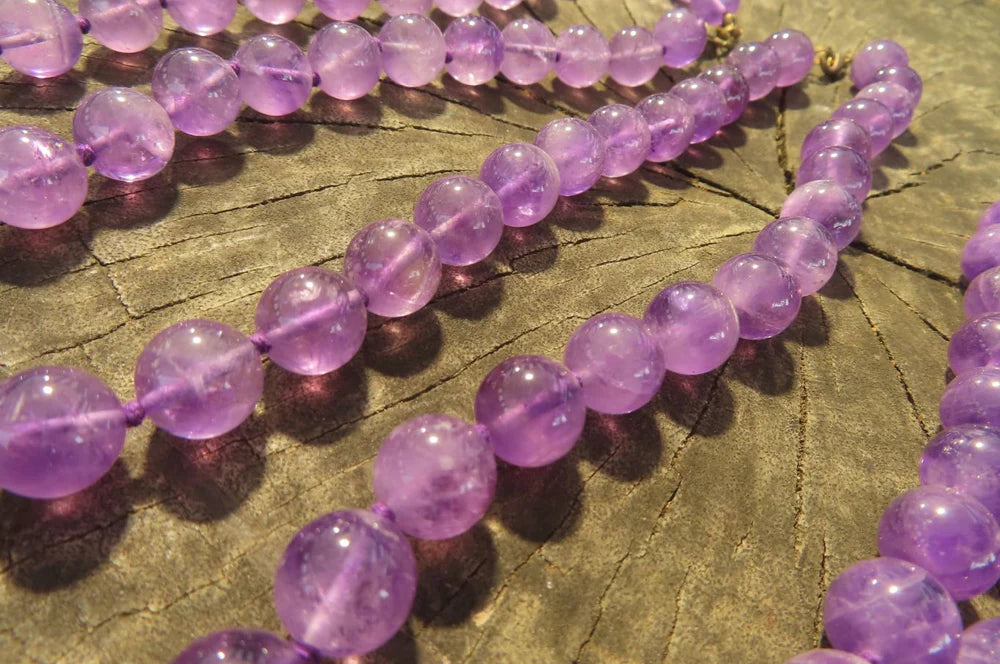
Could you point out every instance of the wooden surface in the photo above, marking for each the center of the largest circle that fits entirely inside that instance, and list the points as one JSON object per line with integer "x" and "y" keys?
{"x": 704, "y": 528}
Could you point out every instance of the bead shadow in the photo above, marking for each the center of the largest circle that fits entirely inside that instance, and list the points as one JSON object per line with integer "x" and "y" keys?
{"x": 120, "y": 69}
{"x": 292, "y": 31}
{"x": 485, "y": 98}
{"x": 839, "y": 286}
{"x": 528, "y": 250}
{"x": 586, "y": 100}
{"x": 702, "y": 156}
{"x": 760, "y": 114}
{"x": 285, "y": 135}
{"x": 400, "y": 649}
{"x": 810, "y": 328}
{"x": 577, "y": 213}
{"x": 124, "y": 205}
{"x": 795, "y": 98}
{"x": 529, "y": 97}
{"x": 29, "y": 257}
{"x": 470, "y": 292}
{"x": 402, "y": 346}
{"x": 624, "y": 190}
{"x": 539, "y": 504}
{"x": 687, "y": 400}
{"x": 628, "y": 447}
{"x": 207, "y": 160}
{"x": 37, "y": 96}
{"x": 764, "y": 365}
{"x": 416, "y": 103}
{"x": 455, "y": 577}
{"x": 360, "y": 116}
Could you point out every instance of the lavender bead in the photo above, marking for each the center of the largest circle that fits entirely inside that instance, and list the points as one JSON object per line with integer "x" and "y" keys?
{"x": 346, "y": 583}
{"x": 759, "y": 65}
{"x": 826, "y": 202}
{"x": 275, "y": 12}
{"x": 626, "y": 138}
{"x": 842, "y": 165}
{"x": 875, "y": 56}
{"x": 965, "y": 458}
{"x": 61, "y": 429}
{"x": 713, "y": 11}
{"x": 437, "y": 474}
{"x": 131, "y": 135}
{"x": 203, "y": 18}
{"x": 873, "y": 117}
{"x": 765, "y": 295}
{"x": 503, "y": 4}
{"x": 906, "y": 78}
{"x": 983, "y": 294}
{"x": 126, "y": 26}
{"x": 734, "y": 88}
{"x": 841, "y": 132}
{"x": 826, "y": 656}
{"x": 413, "y": 50}
{"x": 991, "y": 216}
{"x": 795, "y": 56}
{"x": 463, "y": 215}
{"x": 199, "y": 379}
{"x": 533, "y": 409}
{"x": 400, "y": 7}
{"x": 198, "y": 90}
{"x": 241, "y": 646}
{"x": 975, "y": 344}
{"x": 275, "y": 75}
{"x": 342, "y": 10}
{"x": 696, "y": 326}
{"x": 894, "y": 97}
{"x": 313, "y": 320}
{"x": 980, "y": 643}
{"x": 475, "y": 49}
{"x": 635, "y": 56}
{"x": 458, "y": 7}
{"x": 981, "y": 252}
{"x": 707, "y": 103}
{"x": 39, "y": 38}
{"x": 804, "y": 247}
{"x": 526, "y": 180}
{"x": 347, "y": 59}
{"x": 671, "y": 125}
{"x": 972, "y": 398}
{"x": 577, "y": 150}
{"x": 682, "y": 36}
{"x": 582, "y": 56}
{"x": 529, "y": 51}
{"x": 42, "y": 180}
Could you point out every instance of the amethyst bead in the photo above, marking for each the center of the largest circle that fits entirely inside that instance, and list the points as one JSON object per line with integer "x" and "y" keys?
{"x": 873, "y": 117}
{"x": 275, "y": 12}
{"x": 39, "y": 38}
{"x": 765, "y": 295}
{"x": 275, "y": 75}
{"x": 61, "y": 429}
{"x": 980, "y": 643}
{"x": 529, "y": 51}
{"x": 635, "y": 56}
{"x": 906, "y": 78}
{"x": 841, "y": 132}
{"x": 874, "y": 57}
{"x": 475, "y": 49}
{"x": 463, "y": 215}
{"x": 842, "y": 165}
{"x": 526, "y": 180}
{"x": 198, "y": 90}
{"x": 826, "y": 656}
{"x": 204, "y": 18}
{"x": 671, "y": 125}
{"x": 695, "y": 325}
{"x": 346, "y": 583}
{"x": 734, "y": 88}
{"x": 342, "y": 10}
{"x": 965, "y": 458}
{"x": 400, "y": 7}
{"x": 831, "y": 205}
{"x": 42, "y": 180}
{"x": 458, "y": 7}
{"x": 533, "y": 409}
{"x": 577, "y": 150}
{"x": 972, "y": 398}
{"x": 682, "y": 36}
{"x": 413, "y": 50}
{"x": 894, "y": 97}
{"x": 804, "y": 247}
{"x": 347, "y": 59}
{"x": 991, "y": 216}
{"x": 981, "y": 252}
{"x": 795, "y": 55}
{"x": 437, "y": 474}
{"x": 983, "y": 294}
{"x": 759, "y": 65}
{"x": 582, "y": 56}
{"x": 707, "y": 103}
{"x": 975, "y": 344}
{"x": 626, "y": 138}
{"x": 241, "y": 646}
{"x": 126, "y": 26}
{"x": 503, "y": 4}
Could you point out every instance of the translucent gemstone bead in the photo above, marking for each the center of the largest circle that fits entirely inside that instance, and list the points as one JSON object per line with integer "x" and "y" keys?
{"x": 981, "y": 252}
{"x": 198, "y": 90}
{"x": 458, "y": 7}
{"x": 275, "y": 12}
{"x": 131, "y": 135}
{"x": 842, "y": 165}
{"x": 203, "y": 18}
{"x": 347, "y": 59}
{"x": 875, "y": 56}
{"x": 696, "y": 326}
{"x": 893, "y": 612}
{"x": 983, "y": 294}
{"x": 503, "y": 4}
{"x": 626, "y": 138}
{"x": 533, "y": 409}
{"x": 991, "y": 216}
{"x": 582, "y": 57}
{"x": 707, "y": 103}
{"x": 795, "y": 55}
{"x": 671, "y": 125}
{"x": 413, "y": 50}
{"x": 39, "y": 38}
{"x": 965, "y": 458}
{"x": 975, "y": 344}
{"x": 804, "y": 247}
{"x": 873, "y": 117}
{"x": 906, "y": 78}
{"x": 618, "y": 363}
{"x": 400, "y": 7}
{"x": 529, "y": 51}
{"x": 313, "y": 320}
{"x": 894, "y": 97}
{"x": 275, "y": 75}
{"x": 463, "y": 215}
{"x": 346, "y": 583}
{"x": 826, "y": 656}
{"x": 577, "y": 150}
{"x": 682, "y": 36}
{"x": 734, "y": 88}
{"x": 199, "y": 379}
{"x": 831, "y": 205}
{"x": 126, "y": 26}
{"x": 437, "y": 474}
{"x": 526, "y": 180}
{"x": 396, "y": 265}
{"x": 635, "y": 56}
{"x": 241, "y": 646}
{"x": 765, "y": 295}
{"x": 42, "y": 180}
{"x": 759, "y": 65}
{"x": 972, "y": 398}
{"x": 342, "y": 10}
{"x": 475, "y": 49}
{"x": 61, "y": 429}
{"x": 837, "y": 132}
{"x": 980, "y": 643}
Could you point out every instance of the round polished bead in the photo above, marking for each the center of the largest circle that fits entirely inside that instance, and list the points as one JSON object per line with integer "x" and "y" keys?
{"x": 313, "y": 320}
{"x": 198, "y": 90}
{"x": 965, "y": 458}
{"x": 199, "y": 379}
{"x": 400, "y": 7}
{"x": 577, "y": 150}
{"x": 795, "y": 56}
{"x": 275, "y": 75}
{"x": 894, "y": 97}
{"x": 413, "y": 50}
{"x": 707, "y": 103}
{"x": 347, "y": 59}
{"x": 42, "y": 180}
{"x": 983, "y": 294}
{"x": 346, "y": 583}
{"x": 734, "y": 88}
{"x": 475, "y": 49}
{"x": 582, "y": 56}
{"x": 981, "y": 252}
{"x": 841, "y": 132}
{"x": 713, "y": 11}
{"x": 759, "y": 65}
{"x": 275, "y": 12}
{"x": 618, "y": 363}
{"x": 893, "y": 612}
{"x": 342, "y": 10}
{"x": 876, "y": 56}
{"x": 635, "y": 56}
{"x": 975, "y": 344}
{"x": 131, "y": 135}
{"x": 980, "y": 643}
{"x": 972, "y": 398}
{"x": 873, "y": 117}
{"x": 842, "y": 165}
{"x": 804, "y": 247}
{"x": 437, "y": 474}
{"x": 526, "y": 180}
{"x": 463, "y": 215}
{"x": 695, "y": 325}
{"x": 503, "y": 4}
{"x": 39, "y": 38}
{"x": 529, "y": 51}
{"x": 533, "y": 409}
{"x": 681, "y": 35}
{"x": 831, "y": 205}
{"x": 203, "y": 18}
{"x": 906, "y": 78}
{"x": 826, "y": 656}
{"x": 126, "y": 26}
{"x": 626, "y": 138}
{"x": 671, "y": 125}
{"x": 458, "y": 7}
{"x": 991, "y": 216}
{"x": 241, "y": 646}
{"x": 61, "y": 429}
{"x": 765, "y": 295}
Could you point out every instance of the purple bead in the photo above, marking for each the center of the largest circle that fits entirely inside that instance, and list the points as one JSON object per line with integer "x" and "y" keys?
{"x": 980, "y": 643}
{"x": 342, "y": 10}
{"x": 533, "y": 409}
{"x": 759, "y": 65}
{"x": 983, "y": 294}
{"x": 696, "y": 326}
{"x": 619, "y": 364}
{"x": 894, "y": 97}
{"x": 204, "y": 18}
{"x": 198, "y": 90}
{"x": 842, "y": 165}
{"x": 529, "y": 51}
{"x": 413, "y": 50}
{"x": 131, "y": 135}
{"x": 395, "y": 264}
{"x": 981, "y": 252}
{"x": 241, "y": 646}
{"x": 975, "y": 344}
{"x": 346, "y": 583}
{"x": 526, "y": 180}
{"x": 39, "y": 38}
{"x": 906, "y": 78}
{"x": 826, "y": 656}
{"x": 400, "y": 7}
{"x": 892, "y": 612}
{"x": 682, "y": 36}
{"x": 734, "y": 88}
{"x": 458, "y": 7}
{"x": 826, "y": 202}
{"x": 841, "y": 132}
{"x": 765, "y": 295}
{"x": 347, "y": 59}
{"x": 475, "y": 49}
{"x": 707, "y": 103}
{"x": 967, "y": 459}
{"x": 61, "y": 429}
{"x": 199, "y": 379}
{"x": 275, "y": 75}
{"x": 991, "y": 216}
{"x": 873, "y": 117}
{"x": 437, "y": 474}
{"x": 972, "y": 398}
{"x": 126, "y": 26}
{"x": 582, "y": 56}
{"x": 635, "y": 56}
{"x": 463, "y": 215}
{"x": 42, "y": 180}
{"x": 795, "y": 56}
{"x": 804, "y": 247}
{"x": 503, "y": 4}
{"x": 626, "y": 138}
{"x": 671, "y": 125}
{"x": 313, "y": 320}
{"x": 712, "y": 11}
{"x": 875, "y": 56}
{"x": 577, "y": 150}
{"x": 275, "y": 12}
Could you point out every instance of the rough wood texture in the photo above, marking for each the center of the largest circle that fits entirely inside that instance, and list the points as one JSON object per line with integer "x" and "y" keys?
{"x": 704, "y": 528}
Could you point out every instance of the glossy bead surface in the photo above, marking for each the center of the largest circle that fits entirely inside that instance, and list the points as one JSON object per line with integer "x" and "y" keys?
{"x": 275, "y": 12}
{"x": 983, "y": 294}
{"x": 413, "y": 50}
{"x": 582, "y": 57}
{"x": 842, "y": 165}
{"x": 437, "y": 474}
{"x": 202, "y": 18}
{"x": 972, "y": 398}
{"x": 126, "y": 26}
{"x": 875, "y": 56}
{"x": 837, "y": 132}
{"x": 682, "y": 36}
{"x": 275, "y": 75}
{"x": 804, "y": 247}
{"x": 342, "y": 10}
{"x": 906, "y": 78}
{"x": 980, "y": 643}
{"x": 826, "y": 656}
{"x": 991, "y": 216}
{"x": 42, "y": 180}
{"x": 529, "y": 51}
{"x": 831, "y": 205}
{"x": 695, "y": 325}
{"x": 475, "y": 49}
{"x": 503, "y": 5}
{"x": 981, "y": 252}
{"x": 458, "y": 7}
{"x": 713, "y": 11}
{"x": 626, "y": 138}
{"x": 347, "y": 59}
{"x": 894, "y": 97}
{"x": 400, "y": 7}
{"x": 965, "y": 458}
{"x": 346, "y": 583}
{"x": 975, "y": 344}
{"x": 764, "y": 294}
{"x": 759, "y": 65}
{"x": 198, "y": 90}
{"x": 533, "y": 409}
{"x": 734, "y": 88}
{"x": 873, "y": 117}
{"x": 671, "y": 125}
{"x": 61, "y": 429}
{"x": 577, "y": 150}
{"x": 463, "y": 215}
{"x": 241, "y": 646}
{"x": 795, "y": 55}
{"x": 635, "y": 56}
{"x": 707, "y": 103}
{"x": 39, "y": 38}
{"x": 526, "y": 180}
